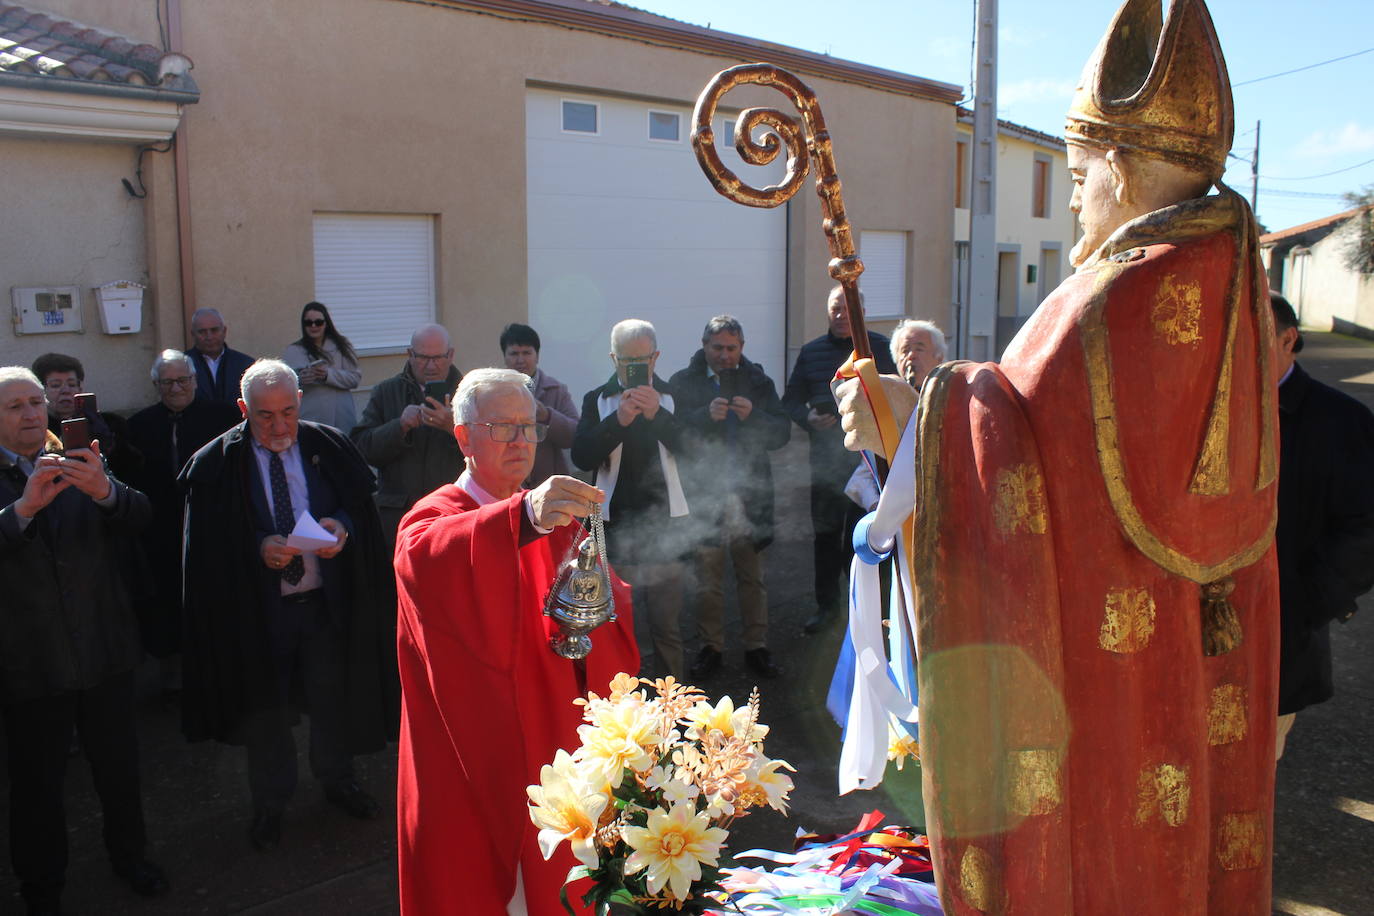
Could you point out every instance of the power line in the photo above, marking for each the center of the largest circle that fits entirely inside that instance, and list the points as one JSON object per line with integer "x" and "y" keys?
{"x": 1323, "y": 63}
{"x": 1322, "y": 175}
{"x": 1275, "y": 192}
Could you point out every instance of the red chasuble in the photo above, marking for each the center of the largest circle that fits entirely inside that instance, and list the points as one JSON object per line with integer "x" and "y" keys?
{"x": 485, "y": 703}
{"x": 1082, "y": 752}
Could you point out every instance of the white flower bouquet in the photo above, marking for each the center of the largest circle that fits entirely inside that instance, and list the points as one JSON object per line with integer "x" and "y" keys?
{"x": 647, "y": 800}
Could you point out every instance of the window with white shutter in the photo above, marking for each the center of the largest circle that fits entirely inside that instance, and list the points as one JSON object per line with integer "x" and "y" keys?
{"x": 375, "y": 271}
{"x": 884, "y": 278}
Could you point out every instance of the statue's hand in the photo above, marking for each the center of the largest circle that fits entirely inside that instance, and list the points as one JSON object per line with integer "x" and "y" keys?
{"x": 856, "y": 414}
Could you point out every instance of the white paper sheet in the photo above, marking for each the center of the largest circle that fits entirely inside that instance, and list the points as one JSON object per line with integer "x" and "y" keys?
{"x": 309, "y": 535}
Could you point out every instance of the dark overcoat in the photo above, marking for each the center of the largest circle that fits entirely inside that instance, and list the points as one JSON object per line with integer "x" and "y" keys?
{"x": 228, "y": 672}
{"x": 717, "y": 464}
{"x": 66, "y": 623}
{"x": 1325, "y": 532}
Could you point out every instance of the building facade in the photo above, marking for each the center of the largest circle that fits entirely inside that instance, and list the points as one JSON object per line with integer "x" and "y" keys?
{"x": 474, "y": 163}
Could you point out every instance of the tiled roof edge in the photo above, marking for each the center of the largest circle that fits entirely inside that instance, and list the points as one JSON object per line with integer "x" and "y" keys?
{"x": 621, "y": 21}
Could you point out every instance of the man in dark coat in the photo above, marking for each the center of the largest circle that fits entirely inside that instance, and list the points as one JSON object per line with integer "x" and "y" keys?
{"x": 263, "y": 615}
{"x": 1325, "y": 532}
{"x": 629, "y": 435}
{"x": 812, "y": 406}
{"x": 734, "y": 419}
{"x": 167, "y": 434}
{"x": 218, "y": 368}
{"x": 406, "y": 434}
{"x": 68, "y": 646}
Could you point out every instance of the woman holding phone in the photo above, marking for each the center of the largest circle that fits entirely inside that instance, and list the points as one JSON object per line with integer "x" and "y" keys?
{"x": 327, "y": 367}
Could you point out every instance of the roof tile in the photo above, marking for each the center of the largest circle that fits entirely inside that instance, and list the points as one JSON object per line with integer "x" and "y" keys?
{"x": 36, "y": 43}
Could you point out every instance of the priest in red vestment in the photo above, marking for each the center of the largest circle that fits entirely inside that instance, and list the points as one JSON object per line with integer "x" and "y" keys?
{"x": 485, "y": 701}
{"x": 1097, "y": 619}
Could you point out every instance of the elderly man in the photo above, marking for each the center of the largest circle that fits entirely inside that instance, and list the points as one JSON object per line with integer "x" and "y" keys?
{"x": 167, "y": 434}
{"x": 554, "y": 406}
{"x": 918, "y": 346}
{"x": 218, "y": 368}
{"x": 263, "y": 614}
{"x": 68, "y": 645}
{"x": 406, "y": 431}
{"x": 812, "y": 406}
{"x": 474, "y": 561}
{"x": 731, "y": 409}
{"x": 628, "y": 435}
{"x": 1325, "y": 534}
{"x": 1097, "y": 597}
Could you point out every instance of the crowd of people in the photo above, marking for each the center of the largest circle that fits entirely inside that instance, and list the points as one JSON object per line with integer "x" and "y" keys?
{"x": 316, "y": 524}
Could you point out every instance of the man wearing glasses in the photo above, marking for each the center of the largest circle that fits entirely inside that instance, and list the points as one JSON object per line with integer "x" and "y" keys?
{"x": 629, "y": 435}
{"x": 406, "y": 431}
{"x": 167, "y": 434}
{"x": 474, "y": 561}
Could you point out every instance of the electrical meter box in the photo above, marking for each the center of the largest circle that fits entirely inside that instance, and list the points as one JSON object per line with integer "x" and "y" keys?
{"x": 121, "y": 307}
{"x": 46, "y": 309}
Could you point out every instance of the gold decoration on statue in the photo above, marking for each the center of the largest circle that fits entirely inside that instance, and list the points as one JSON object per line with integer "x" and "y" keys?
{"x": 1020, "y": 501}
{"x": 1128, "y": 620}
{"x": 1033, "y": 781}
{"x": 1177, "y": 313}
{"x": 977, "y": 879}
{"x": 1226, "y": 716}
{"x": 1157, "y": 87}
{"x": 1241, "y": 841}
{"x": 1164, "y": 791}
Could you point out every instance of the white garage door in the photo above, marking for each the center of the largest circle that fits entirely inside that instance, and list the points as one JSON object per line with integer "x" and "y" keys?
{"x": 623, "y": 224}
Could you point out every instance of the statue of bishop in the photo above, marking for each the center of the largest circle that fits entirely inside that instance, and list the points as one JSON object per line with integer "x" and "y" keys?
{"x": 1096, "y": 589}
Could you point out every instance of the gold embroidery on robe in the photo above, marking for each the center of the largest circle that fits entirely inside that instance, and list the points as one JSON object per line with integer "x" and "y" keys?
{"x": 1033, "y": 781}
{"x": 1241, "y": 841}
{"x": 1020, "y": 501}
{"x": 1164, "y": 790}
{"x": 1177, "y": 314}
{"x": 1226, "y": 721}
{"x": 976, "y": 879}
{"x": 1128, "y": 621}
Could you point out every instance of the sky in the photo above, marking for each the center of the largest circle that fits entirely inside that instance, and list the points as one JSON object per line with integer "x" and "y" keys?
{"x": 1312, "y": 123}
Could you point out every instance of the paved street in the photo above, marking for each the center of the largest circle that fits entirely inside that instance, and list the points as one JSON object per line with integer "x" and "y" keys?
{"x": 196, "y": 796}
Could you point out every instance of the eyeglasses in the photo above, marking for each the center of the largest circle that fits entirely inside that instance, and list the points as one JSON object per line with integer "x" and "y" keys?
{"x": 635, "y": 360}
{"x": 313, "y": 322}
{"x": 184, "y": 381}
{"x": 426, "y": 358}
{"x": 506, "y": 432}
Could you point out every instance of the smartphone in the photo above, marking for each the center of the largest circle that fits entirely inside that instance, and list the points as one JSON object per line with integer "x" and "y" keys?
{"x": 437, "y": 390}
{"x": 636, "y": 374}
{"x": 76, "y": 433}
{"x": 824, "y": 404}
{"x": 729, "y": 383}
{"x": 85, "y": 406}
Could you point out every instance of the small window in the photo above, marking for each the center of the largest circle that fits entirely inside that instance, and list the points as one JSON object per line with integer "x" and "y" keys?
{"x": 1040, "y": 187}
{"x": 961, "y": 168}
{"x": 664, "y": 125}
{"x": 884, "y": 277}
{"x": 727, "y": 136}
{"x": 375, "y": 271}
{"x": 580, "y": 117}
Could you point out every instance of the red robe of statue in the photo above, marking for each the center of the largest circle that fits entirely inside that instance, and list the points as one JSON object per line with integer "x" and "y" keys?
{"x": 485, "y": 703}
{"x": 1082, "y": 752}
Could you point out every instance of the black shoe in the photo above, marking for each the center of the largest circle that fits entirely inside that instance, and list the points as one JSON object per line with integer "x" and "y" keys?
{"x": 351, "y": 799}
{"x": 708, "y": 663}
{"x": 819, "y": 621}
{"x": 760, "y": 662}
{"x": 145, "y": 878}
{"x": 265, "y": 831}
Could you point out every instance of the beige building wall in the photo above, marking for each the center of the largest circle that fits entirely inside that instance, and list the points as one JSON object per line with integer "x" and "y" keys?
{"x": 69, "y": 222}
{"x": 387, "y": 106}
{"x": 1323, "y": 290}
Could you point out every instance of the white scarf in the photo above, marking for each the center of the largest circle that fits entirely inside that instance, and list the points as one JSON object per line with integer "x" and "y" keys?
{"x": 609, "y": 472}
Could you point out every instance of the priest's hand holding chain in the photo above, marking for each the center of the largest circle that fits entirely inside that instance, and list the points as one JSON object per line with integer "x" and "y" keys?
{"x": 558, "y": 500}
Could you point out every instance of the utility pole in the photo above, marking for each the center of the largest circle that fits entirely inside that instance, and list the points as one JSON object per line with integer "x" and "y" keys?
{"x": 980, "y": 298}
{"x": 1254, "y": 173}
